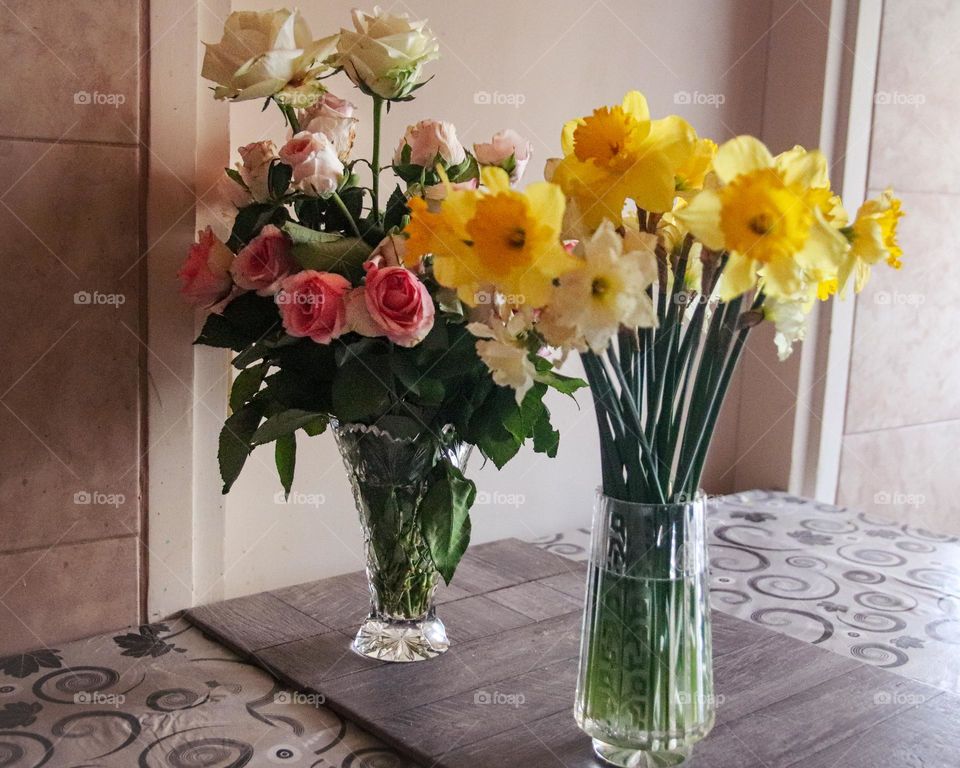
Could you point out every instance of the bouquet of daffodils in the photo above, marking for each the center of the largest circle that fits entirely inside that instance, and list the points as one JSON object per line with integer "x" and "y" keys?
{"x": 315, "y": 292}
{"x": 652, "y": 252}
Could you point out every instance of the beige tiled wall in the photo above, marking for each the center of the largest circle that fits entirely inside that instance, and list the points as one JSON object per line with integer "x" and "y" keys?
{"x": 903, "y": 407}
{"x": 70, "y": 376}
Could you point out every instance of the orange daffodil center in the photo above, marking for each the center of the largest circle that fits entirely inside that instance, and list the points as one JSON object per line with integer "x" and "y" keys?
{"x": 494, "y": 238}
{"x": 618, "y": 154}
{"x": 771, "y": 216}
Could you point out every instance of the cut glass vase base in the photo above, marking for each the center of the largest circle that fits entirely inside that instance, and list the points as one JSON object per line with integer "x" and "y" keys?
{"x": 401, "y": 641}
{"x": 633, "y": 758}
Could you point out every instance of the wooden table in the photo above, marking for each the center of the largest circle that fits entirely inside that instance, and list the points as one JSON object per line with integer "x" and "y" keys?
{"x": 502, "y": 696}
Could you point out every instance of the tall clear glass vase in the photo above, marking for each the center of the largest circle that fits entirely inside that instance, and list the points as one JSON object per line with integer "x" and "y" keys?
{"x": 645, "y": 689}
{"x": 389, "y": 476}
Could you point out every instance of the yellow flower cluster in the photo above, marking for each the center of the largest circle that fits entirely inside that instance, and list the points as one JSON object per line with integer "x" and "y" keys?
{"x": 769, "y": 225}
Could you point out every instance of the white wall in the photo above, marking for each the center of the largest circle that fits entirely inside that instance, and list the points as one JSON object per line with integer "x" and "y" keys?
{"x": 563, "y": 58}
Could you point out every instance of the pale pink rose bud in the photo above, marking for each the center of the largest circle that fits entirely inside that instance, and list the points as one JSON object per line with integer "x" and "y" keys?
{"x": 299, "y": 148}
{"x": 316, "y": 168}
{"x": 205, "y": 275}
{"x": 431, "y": 141}
{"x": 312, "y": 305}
{"x": 264, "y": 262}
{"x": 333, "y": 117}
{"x": 501, "y": 147}
{"x": 255, "y": 167}
{"x": 399, "y": 304}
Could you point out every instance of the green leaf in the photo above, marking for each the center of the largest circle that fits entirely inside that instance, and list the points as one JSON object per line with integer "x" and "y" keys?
{"x": 278, "y": 179}
{"x": 328, "y": 252}
{"x": 566, "y": 385}
{"x": 316, "y": 427}
{"x": 250, "y": 220}
{"x": 285, "y": 455}
{"x": 234, "y": 174}
{"x": 246, "y": 385}
{"x": 546, "y": 439}
{"x": 236, "y": 442}
{"x": 396, "y": 209}
{"x": 284, "y": 423}
{"x": 445, "y": 518}
{"x": 362, "y": 389}
{"x": 245, "y": 320}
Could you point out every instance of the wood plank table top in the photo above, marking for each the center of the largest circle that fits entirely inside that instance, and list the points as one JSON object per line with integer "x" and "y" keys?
{"x": 503, "y": 694}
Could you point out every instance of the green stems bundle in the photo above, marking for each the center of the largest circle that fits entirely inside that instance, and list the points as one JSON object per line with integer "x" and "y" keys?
{"x": 658, "y": 391}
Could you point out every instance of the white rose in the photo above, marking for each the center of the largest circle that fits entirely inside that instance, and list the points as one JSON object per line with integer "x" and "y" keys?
{"x": 267, "y": 54}
{"x": 333, "y": 117}
{"x": 316, "y": 168}
{"x": 385, "y": 54}
{"x": 501, "y": 148}
{"x": 430, "y": 141}
{"x": 255, "y": 167}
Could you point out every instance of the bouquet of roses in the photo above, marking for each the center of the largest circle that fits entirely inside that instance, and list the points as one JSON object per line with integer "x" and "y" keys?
{"x": 330, "y": 319}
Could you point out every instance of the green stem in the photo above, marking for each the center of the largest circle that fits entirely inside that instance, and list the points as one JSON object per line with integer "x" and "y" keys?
{"x": 375, "y": 161}
{"x": 346, "y": 212}
{"x": 291, "y": 115}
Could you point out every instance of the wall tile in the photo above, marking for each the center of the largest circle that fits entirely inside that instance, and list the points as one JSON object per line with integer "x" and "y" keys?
{"x": 908, "y": 474}
{"x": 915, "y": 141}
{"x": 69, "y": 383}
{"x": 67, "y": 592}
{"x": 72, "y": 69}
{"x": 904, "y": 367}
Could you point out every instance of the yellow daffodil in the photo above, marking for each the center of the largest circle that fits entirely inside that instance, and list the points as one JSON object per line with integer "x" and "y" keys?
{"x": 765, "y": 215}
{"x": 618, "y": 154}
{"x": 873, "y": 239}
{"x": 690, "y": 176}
{"x": 494, "y": 236}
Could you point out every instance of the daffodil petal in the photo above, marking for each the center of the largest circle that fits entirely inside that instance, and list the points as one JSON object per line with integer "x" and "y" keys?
{"x": 635, "y": 105}
{"x": 566, "y": 137}
{"x": 702, "y": 217}
{"x": 808, "y": 169}
{"x": 739, "y": 276}
{"x": 741, "y": 155}
{"x": 495, "y": 179}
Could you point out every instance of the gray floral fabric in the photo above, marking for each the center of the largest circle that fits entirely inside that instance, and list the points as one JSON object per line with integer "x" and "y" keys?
{"x": 163, "y": 695}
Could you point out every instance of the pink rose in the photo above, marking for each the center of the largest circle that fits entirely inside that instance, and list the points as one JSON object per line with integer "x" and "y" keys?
{"x": 205, "y": 275}
{"x": 312, "y": 305}
{"x": 430, "y": 140}
{"x": 316, "y": 168}
{"x": 398, "y": 304}
{"x": 263, "y": 262}
{"x": 502, "y": 146}
{"x": 333, "y": 117}
{"x": 255, "y": 168}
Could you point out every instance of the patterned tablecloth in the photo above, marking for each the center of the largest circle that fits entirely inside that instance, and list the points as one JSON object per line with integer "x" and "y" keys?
{"x": 163, "y": 695}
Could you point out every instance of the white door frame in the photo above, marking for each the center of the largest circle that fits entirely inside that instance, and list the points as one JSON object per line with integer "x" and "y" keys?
{"x": 188, "y": 149}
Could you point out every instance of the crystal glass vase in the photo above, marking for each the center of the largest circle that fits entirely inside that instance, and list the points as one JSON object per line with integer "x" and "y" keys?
{"x": 389, "y": 476}
{"x": 645, "y": 688}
